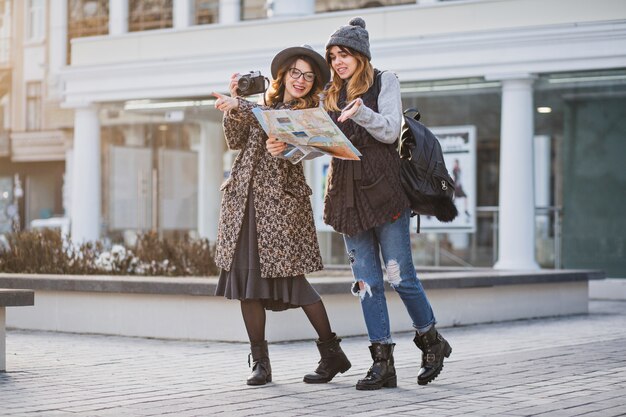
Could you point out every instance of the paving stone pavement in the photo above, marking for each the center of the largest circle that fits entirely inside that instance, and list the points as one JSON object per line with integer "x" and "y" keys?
{"x": 571, "y": 366}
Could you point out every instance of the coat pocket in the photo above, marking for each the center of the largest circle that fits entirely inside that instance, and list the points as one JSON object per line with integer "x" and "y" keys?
{"x": 297, "y": 189}
{"x": 226, "y": 184}
{"x": 378, "y": 193}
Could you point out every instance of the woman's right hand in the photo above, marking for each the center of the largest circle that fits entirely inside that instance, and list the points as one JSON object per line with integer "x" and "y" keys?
{"x": 274, "y": 147}
{"x": 225, "y": 103}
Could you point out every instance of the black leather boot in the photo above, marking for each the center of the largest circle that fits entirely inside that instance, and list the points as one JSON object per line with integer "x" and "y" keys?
{"x": 434, "y": 348}
{"x": 333, "y": 361}
{"x": 261, "y": 368}
{"x": 382, "y": 373}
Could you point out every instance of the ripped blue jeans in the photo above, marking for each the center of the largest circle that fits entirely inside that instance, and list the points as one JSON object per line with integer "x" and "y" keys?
{"x": 393, "y": 240}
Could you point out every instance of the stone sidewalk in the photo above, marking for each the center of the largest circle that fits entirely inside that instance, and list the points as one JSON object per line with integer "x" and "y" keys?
{"x": 550, "y": 367}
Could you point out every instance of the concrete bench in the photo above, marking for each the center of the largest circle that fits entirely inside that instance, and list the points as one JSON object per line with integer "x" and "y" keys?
{"x": 11, "y": 298}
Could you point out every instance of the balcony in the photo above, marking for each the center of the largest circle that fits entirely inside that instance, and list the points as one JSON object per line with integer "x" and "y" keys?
{"x": 38, "y": 146}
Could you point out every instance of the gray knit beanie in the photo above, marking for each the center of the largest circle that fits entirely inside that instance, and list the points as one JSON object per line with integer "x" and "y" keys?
{"x": 353, "y": 36}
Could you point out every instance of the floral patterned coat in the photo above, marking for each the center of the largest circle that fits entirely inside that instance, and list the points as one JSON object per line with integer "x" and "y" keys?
{"x": 286, "y": 234}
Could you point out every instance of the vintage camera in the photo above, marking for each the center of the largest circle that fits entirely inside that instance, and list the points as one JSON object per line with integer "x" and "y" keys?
{"x": 251, "y": 83}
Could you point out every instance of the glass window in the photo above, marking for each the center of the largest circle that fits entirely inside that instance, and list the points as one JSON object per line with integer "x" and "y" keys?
{"x": 256, "y": 9}
{"x": 448, "y": 104}
{"x": 86, "y": 18}
{"x": 322, "y": 6}
{"x": 156, "y": 156}
{"x": 206, "y": 11}
{"x": 5, "y": 38}
{"x": 36, "y": 20}
{"x": 33, "y": 106}
{"x": 253, "y": 9}
{"x": 582, "y": 118}
{"x": 149, "y": 15}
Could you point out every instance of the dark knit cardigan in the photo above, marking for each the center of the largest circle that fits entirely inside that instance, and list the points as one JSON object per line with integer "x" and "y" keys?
{"x": 363, "y": 194}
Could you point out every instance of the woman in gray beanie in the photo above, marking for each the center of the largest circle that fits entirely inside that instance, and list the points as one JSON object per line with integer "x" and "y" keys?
{"x": 266, "y": 238}
{"x": 366, "y": 203}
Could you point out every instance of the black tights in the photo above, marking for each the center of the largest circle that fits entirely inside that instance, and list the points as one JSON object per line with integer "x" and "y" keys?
{"x": 254, "y": 317}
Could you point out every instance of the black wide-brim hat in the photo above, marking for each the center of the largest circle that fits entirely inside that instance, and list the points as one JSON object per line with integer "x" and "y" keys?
{"x": 304, "y": 50}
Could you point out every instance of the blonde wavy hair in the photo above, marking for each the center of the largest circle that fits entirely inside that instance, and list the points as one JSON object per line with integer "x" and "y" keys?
{"x": 276, "y": 92}
{"x": 358, "y": 84}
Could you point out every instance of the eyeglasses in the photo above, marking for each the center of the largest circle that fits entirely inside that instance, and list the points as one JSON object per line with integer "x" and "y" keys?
{"x": 295, "y": 73}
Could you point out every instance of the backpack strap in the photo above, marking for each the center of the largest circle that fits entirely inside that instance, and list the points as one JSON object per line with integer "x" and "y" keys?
{"x": 377, "y": 82}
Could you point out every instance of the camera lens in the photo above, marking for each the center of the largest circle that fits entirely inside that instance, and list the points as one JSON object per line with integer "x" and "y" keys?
{"x": 243, "y": 83}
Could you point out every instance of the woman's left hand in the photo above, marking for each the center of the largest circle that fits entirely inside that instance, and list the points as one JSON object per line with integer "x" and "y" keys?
{"x": 350, "y": 110}
{"x": 274, "y": 147}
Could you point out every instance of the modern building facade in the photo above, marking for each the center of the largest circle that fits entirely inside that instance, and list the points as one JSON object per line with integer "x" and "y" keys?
{"x": 539, "y": 86}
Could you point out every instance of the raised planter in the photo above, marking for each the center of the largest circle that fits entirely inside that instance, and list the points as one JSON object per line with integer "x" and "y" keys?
{"x": 185, "y": 308}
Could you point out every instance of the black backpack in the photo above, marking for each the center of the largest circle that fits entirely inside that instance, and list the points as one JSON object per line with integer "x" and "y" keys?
{"x": 423, "y": 172}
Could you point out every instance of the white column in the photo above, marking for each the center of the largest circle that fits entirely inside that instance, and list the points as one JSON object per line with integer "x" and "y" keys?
{"x": 210, "y": 177}
{"x": 57, "y": 45}
{"x": 86, "y": 189}
{"x": 118, "y": 17}
{"x": 182, "y": 14}
{"x": 229, "y": 11}
{"x": 516, "y": 238}
{"x": 290, "y": 8}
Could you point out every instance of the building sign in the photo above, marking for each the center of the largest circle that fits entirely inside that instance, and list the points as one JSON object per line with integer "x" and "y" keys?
{"x": 458, "y": 144}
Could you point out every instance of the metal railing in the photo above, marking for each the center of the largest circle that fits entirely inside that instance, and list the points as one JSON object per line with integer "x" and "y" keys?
{"x": 481, "y": 248}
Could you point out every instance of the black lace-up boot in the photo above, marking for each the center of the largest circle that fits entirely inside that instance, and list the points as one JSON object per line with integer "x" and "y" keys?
{"x": 434, "y": 348}
{"x": 333, "y": 361}
{"x": 261, "y": 368}
{"x": 382, "y": 373}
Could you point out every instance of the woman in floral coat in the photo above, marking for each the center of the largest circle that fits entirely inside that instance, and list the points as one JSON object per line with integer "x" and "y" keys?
{"x": 266, "y": 236}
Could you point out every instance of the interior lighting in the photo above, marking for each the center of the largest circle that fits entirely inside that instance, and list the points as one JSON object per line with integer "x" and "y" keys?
{"x": 544, "y": 109}
{"x": 448, "y": 87}
{"x": 590, "y": 78}
{"x": 151, "y": 105}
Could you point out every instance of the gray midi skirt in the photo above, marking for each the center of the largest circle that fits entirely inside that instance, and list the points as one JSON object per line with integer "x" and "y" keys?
{"x": 244, "y": 281}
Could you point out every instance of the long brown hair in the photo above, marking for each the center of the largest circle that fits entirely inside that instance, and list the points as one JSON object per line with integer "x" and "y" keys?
{"x": 276, "y": 93}
{"x": 358, "y": 84}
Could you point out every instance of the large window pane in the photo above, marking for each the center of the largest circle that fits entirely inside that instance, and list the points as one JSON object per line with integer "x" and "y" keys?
{"x": 253, "y": 9}
{"x": 583, "y": 116}
{"x": 322, "y": 6}
{"x": 86, "y": 18}
{"x": 446, "y": 104}
{"x": 149, "y": 14}
{"x": 206, "y": 11}
{"x": 256, "y": 9}
{"x": 5, "y": 38}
